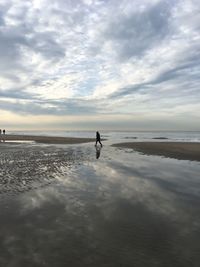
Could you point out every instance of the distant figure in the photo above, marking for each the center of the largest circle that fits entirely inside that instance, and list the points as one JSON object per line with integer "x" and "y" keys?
{"x": 0, "y": 135}
{"x": 4, "y": 132}
{"x": 98, "y": 139}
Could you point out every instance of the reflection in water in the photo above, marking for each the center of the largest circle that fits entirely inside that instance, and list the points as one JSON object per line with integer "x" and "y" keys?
{"x": 105, "y": 213}
{"x": 98, "y": 151}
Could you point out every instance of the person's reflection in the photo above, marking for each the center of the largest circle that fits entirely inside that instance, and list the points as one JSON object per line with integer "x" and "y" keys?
{"x": 98, "y": 151}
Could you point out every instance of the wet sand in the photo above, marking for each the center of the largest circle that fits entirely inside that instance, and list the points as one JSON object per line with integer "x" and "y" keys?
{"x": 46, "y": 139}
{"x": 24, "y": 166}
{"x": 176, "y": 150}
{"x": 63, "y": 206}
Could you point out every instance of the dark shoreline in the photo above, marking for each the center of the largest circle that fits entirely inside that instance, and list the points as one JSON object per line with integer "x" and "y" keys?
{"x": 176, "y": 150}
{"x": 46, "y": 139}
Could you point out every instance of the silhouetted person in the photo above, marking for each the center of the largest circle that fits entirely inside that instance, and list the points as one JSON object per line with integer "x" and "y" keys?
{"x": 4, "y": 132}
{"x": 0, "y": 135}
{"x": 98, "y": 138}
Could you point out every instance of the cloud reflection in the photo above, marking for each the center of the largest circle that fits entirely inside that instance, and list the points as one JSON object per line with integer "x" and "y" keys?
{"x": 135, "y": 207}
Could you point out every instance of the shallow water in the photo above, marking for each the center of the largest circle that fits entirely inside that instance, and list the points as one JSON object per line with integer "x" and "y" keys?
{"x": 75, "y": 206}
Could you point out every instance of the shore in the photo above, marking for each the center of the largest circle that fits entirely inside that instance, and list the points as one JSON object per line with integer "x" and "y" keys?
{"x": 46, "y": 139}
{"x": 177, "y": 150}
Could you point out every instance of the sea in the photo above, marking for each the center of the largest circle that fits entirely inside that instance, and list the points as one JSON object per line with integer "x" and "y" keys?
{"x": 125, "y": 136}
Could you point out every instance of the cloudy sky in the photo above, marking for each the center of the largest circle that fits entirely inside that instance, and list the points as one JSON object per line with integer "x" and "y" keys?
{"x": 106, "y": 64}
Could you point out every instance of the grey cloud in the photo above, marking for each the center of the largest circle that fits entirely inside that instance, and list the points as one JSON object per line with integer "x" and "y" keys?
{"x": 45, "y": 43}
{"x": 75, "y": 106}
{"x": 9, "y": 48}
{"x": 12, "y": 77}
{"x": 134, "y": 34}
{"x": 51, "y": 107}
{"x": 128, "y": 90}
{"x": 33, "y": 32}
{"x": 1, "y": 19}
{"x": 182, "y": 73}
{"x": 16, "y": 37}
{"x": 16, "y": 94}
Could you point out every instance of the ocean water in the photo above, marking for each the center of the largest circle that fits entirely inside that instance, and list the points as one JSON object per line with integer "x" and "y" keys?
{"x": 124, "y": 136}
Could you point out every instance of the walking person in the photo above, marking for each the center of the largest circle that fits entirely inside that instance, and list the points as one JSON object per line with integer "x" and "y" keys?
{"x": 98, "y": 139}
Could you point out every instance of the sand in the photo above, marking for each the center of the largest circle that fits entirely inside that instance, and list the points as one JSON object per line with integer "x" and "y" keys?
{"x": 46, "y": 139}
{"x": 177, "y": 150}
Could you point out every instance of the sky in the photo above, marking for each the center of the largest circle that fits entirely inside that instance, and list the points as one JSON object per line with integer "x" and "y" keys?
{"x": 100, "y": 65}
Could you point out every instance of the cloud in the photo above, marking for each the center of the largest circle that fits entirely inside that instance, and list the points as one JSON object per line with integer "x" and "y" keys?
{"x": 16, "y": 94}
{"x": 75, "y": 57}
{"x": 26, "y": 106}
{"x": 138, "y": 32}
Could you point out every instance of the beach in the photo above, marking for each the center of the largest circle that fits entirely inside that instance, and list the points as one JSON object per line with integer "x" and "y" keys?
{"x": 64, "y": 206}
{"x": 176, "y": 150}
{"x": 46, "y": 139}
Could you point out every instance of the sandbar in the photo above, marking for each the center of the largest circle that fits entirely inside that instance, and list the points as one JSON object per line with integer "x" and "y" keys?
{"x": 177, "y": 150}
{"x": 46, "y": 139}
